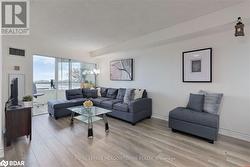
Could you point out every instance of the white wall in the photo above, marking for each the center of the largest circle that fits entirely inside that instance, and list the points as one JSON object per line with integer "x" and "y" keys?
{"x": 158, "y": 69}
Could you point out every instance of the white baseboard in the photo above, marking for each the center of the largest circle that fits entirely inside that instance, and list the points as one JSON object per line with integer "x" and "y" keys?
{"x": 222, "y": 131}
{"x": 158, "y": 116}
{"x": 234, "y": 134}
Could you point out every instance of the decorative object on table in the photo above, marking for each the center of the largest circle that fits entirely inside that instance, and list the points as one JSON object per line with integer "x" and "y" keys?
{"x": 88, "y": 104}
{"x": 121, "y": 70}
{"x": 197, "y": 65}
{"x": 27, "y": 101}
{"x": 239, "y": 28}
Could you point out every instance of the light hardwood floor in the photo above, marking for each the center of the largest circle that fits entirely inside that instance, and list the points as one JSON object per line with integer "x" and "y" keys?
{"x": 150, "y": 143}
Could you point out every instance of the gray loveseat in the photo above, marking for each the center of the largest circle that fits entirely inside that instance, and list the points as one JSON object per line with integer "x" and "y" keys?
{"x": 111, "y": 98}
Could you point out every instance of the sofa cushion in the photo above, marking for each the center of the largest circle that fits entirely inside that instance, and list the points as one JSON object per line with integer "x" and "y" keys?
{"x": 196, "y": 102}
{"x": 104, "y": 91}
{"x": 129, "y": 96}
{"x": 78, "y": 101}
{"x": 73, "y": 94}
{"x": 109, "y": 103}
{"x": 121, "y": 107}
{"x": 201, "y": 118}
{"x": 112, "y": 93}
{"x": 211, "y": 102}
{"x": 120, "y": 94}
{"x": 57, "y": 104}
{"x": 90, "y": 93}
{"x": 97, "y": 101}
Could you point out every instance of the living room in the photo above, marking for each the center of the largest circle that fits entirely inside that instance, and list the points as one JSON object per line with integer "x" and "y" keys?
{"x": 141, "y": 50}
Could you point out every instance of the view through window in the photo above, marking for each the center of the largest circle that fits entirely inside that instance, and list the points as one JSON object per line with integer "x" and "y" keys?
{"x": 52, "y": 76}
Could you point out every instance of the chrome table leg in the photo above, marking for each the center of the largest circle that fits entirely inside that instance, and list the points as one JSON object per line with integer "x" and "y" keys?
{"x": 90, "y": 128}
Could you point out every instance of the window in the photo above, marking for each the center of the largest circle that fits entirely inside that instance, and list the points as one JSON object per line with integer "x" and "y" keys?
{"x": 52, "y": 76}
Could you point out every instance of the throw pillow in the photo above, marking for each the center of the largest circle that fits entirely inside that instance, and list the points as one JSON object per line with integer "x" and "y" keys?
{"x": 211, "y": 102}
{"x": 90, "y": 93}
{"x": 129, "y": 96}
{"x": 99, "y": 92}
{"x": 196, "y": 102}
{"x": 120, "y": 94}
{"x": 112, "y": 93}
{"x": 104, "y": 91}
{"x": 138, "y": 93}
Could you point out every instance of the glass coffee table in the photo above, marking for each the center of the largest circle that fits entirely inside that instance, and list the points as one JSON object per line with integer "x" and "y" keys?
{"x": 89, "y": 116}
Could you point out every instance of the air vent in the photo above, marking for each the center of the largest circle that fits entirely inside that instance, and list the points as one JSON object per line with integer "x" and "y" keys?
{"x": 16, "y": 52}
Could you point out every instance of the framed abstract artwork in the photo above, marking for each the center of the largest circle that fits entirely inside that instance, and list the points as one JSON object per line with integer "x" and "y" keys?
{"x": 121, "y": 70}
{"x": 197, "y": 65}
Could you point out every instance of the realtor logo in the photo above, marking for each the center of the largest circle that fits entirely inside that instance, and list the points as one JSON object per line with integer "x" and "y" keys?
{"x": 15, "y": 17}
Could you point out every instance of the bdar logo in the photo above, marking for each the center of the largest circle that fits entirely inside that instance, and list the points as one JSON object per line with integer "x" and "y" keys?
{"x": 4, "y": 163}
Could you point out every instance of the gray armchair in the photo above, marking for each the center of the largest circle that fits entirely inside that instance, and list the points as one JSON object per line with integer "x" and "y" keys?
{"x": 201, "y": 124}
{"x": 200, "y": 117}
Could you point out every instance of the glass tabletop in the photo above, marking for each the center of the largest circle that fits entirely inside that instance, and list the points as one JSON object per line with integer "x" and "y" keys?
{"x": 90, "y": 112}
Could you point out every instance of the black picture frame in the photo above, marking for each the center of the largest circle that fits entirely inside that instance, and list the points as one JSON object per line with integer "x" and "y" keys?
{"x": 132, "y": 70}
{"x": 210, "y": 66}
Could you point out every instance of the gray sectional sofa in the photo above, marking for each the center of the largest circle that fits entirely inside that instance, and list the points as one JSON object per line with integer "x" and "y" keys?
{"x": 111, "y": 98}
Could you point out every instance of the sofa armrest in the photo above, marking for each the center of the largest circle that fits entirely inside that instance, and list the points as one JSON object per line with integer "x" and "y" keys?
{"x": 141, "y": 105}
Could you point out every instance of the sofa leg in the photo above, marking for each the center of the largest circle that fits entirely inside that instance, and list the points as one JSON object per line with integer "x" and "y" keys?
{"x": 133, "y": 124}
{"x": 149, "y": 117}
{"x": 211, "y": 141}
{"x": 174, "y": 130}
